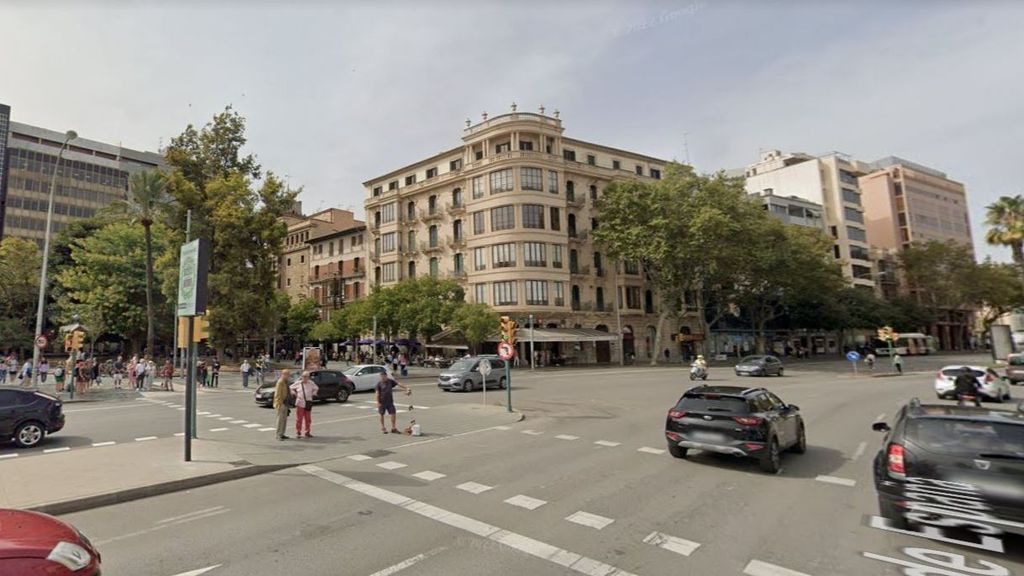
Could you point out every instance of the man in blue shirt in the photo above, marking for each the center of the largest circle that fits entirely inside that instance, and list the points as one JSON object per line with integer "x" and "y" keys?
{"x": 386, "y": 400}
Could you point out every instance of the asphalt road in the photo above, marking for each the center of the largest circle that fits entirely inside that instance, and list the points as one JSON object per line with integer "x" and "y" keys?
{"x": 582, "y": 486}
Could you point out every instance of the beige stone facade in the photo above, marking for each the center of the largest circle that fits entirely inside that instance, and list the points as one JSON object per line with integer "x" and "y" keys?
{"x": 508, "y": 213}
{"x": 337, "y": 272}
{"x": 295, "y": 266}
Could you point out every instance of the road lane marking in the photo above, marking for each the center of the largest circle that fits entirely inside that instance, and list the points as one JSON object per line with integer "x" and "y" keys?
{"x": 647, "y": 450}
{"x": 251, "y": 426}
{"x": 671, "y": 543}
{"x": 238, "y": 422}
{"x": 836, "y": 480}
{"x": 364, "y": 407}
{"x": 536, "y": 548}
{"x": 202, "y": 413}
{"x": 144, "y": 438}
{"x": 268, "y": 429}
{"x": 199, "y": 571}
{"x": 391, "y": 465}
{"x": 860, "y": 451}
{"x": 523, "y": 501}
{"x": 212, "y": 415}
{"x": 196, "y": 513}
{"x": 532, "y": 432}
{"x": 51, "y": 450}
{"x": 880, "y": 417}
{"x": 590, "y": 520}
{"x": 180, "y": 409}
{"x": 225, "y": 418}
{"x": 758, "y": 568}
{"x": 189, "y": 518}
{"x": 217, "y": 429}
{"x": 360, "y": 457}
{"x": 2, "y": 456}
{"x": 98, "y": 444}
{"x": 567, "y": 437}
{"x": 76, "y": 410}
{"x": 429, "y": 475}
{"x": 474, "y": 488}
{"x": 502, "y": 428}
{"x": 408, "y": 562}
{"x": 179, "y": 434}
{"x": 607, "y": 443}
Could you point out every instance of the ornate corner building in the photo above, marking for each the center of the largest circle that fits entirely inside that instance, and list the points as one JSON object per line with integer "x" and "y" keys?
{"x": 508, "y": 213}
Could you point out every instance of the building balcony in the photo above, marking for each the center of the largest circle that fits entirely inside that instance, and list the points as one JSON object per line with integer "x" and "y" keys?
{"x": 427, "y": 215}
{"x": 579, "y": 270}
{"x": 456, "y": 242}
{"x": 459, "y": 208}
{"x": 459, "y": 275}
{"x": 575, "y": 201}
{"x": 429, "y": 248}
{"x": 559, "y": 302}
{"x": 578, "y": 236}
{"x": 374, "y": 256}
{"x": 601, "y": 272}
{"x": 409, "y": 250}
{"x": 354, "y": 273}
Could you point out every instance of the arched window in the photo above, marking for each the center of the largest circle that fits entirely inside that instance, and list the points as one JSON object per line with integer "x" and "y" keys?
{"x": 376, "y": 275}
{"x": 432, "y": 204}
{"x": 376, "y": 218}
{"x": 597, "y": 263}
{"x": 412, "y": 269}
{"x": 412, "y": 240}
{"x": 457, "y": 229}
{"x": 571, "y": 227}
{"x": 575, "y": 297}
{"x": 570, "y": 190}
{"x": 599, "y": 298}
{"x": 433, "y": 236}
{"x": 574, "y": 263}
{"x": 434, "y": 267}
{"x": 457, "y": 197}
{"x": 649, "y": 302}
{"x": 593, "y": 192}
{"x": 410, "y": 211}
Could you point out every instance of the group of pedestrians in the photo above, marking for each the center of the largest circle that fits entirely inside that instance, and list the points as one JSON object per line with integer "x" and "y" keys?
{"x": 302, "y": 392}
{"x": 255, "y": 368}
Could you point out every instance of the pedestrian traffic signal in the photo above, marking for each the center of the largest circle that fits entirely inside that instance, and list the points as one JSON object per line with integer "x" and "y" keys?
{"x": 67, "y": 343}
{"x": 508, "y": 330}
{"x": 202, "y": 330}
{"x": 77, "y": 339}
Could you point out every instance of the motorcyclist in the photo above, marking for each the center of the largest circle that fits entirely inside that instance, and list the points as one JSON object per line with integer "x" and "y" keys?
{"x": 700, "y": 362}
{"x": 966, "y": 385}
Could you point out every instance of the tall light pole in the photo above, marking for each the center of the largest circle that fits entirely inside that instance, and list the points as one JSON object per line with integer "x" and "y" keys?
{"x": 36, "y": 351}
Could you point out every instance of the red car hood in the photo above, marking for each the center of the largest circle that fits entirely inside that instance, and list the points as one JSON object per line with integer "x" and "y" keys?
{"x": 33, "y": 535}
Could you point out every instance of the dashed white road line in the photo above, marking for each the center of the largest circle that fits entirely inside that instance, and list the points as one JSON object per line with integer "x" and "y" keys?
{"x": 217, "y": 429}
{"x": 590, "y": 520}
{"x": 501, "y": 428}
{"x": 238, "y": 422}
{"x": 190, "y": 514}
{"x": 360, "y": 457}
{"x": 145, "y": 438}
{"x": 225, "y": 418}
{"x": 2, "y": 456}
{"x": 836, "y": 480}
{"x": 523, "y": 501}
{"x": 202, "y": 413}
{"x": 391, "y": 465}
{"x": 532, "y": 432}
{"x": 648, "y": 450}
{"x": 251, "y": 426}
{"x": 567, "y": 437}
{"x": 99, "y": 444}
{"x": 758, "y": 568}
{"x": 429, "y": 475}
{"x": 268, "y": 429}
{"x": 474, "y": 488}
{"x": 52, "y": 450}
{"x": 536, "y": 548}
{"x": 671, "y": 543}
{"x": 407, "y": 562}
{"x": 199, "y": 571}
{"x": 179, "y": 434}
{"x": 880, "y": 417}
{"x": 212, "y": 415}
{"x": 607, "y": 443}
{"x": 860, "y": 451}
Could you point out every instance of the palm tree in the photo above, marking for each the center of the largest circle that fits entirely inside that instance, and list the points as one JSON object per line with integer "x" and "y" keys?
{"x": 1005, "y": 218}
{"x": 147, "y": 198}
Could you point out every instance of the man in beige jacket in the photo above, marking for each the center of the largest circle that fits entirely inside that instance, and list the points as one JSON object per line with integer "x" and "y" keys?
{"x": 280, "y": 393}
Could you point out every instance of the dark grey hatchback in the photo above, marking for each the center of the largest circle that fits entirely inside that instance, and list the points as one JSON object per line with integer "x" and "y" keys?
{"x": 744, "y": 422}
{"x": 27, "y": 416}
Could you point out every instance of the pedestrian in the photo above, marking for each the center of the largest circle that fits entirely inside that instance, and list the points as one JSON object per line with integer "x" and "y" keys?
{"x": 12, "y": 367}
{"x": 94, "y": 371}
{"x": 403, "y": 363}
{"x": 386, "y": 400}
{"x": 118, "y": 372}
{"x": 3, "y": 370}
{"x": 281, "y": 404}
{"x": 870, "y": 359}
{"x": 26, "y": 373}
{"x": 81, "y": 377}
{"x": 966, "y": 386}
{"x": 168, "y": 374}
{"x": 215, "y": 373}
{"x": 44, "y": 370}
{"x": 150, "y": 373}
{"x": 131, "y": 372}
{"x": 244, "y": 369}
{"x": 897, "y": 362}
{"x": 304, "y": 391}
{"x": 58, "y": 377}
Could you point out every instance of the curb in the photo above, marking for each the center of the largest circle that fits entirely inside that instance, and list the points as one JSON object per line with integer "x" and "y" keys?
{"x": 101, "y": 500}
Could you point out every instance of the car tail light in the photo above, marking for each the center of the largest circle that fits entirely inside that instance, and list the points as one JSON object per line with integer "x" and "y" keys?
{"x": 676, "y": 414}
{"x": 897, "y": 466}
{"x": 748, "y": 420}
{"x": 672, "y": 436}
{"x": 753, "y": 446}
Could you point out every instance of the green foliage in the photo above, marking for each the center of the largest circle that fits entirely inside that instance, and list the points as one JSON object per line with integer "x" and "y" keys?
{"x": 1005, "y": 218}
{"x": 940, "y": 273}
{"x": 302, "y": 316}
{"x": 324, "y": 331}
{"x": 476, "y": 322}
{"x": 418, "y": 307}
{"x": 20, "y": 263}
{"x": 997, "y": 290}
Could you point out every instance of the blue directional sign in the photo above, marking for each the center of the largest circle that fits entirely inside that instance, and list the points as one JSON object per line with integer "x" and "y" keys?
{"x": 852, "y": 356}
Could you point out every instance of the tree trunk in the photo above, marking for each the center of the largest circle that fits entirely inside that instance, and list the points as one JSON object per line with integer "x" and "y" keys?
{"x": 702, "y": 321}
{"x": 657, "y": 336}
{"x": 150, "y": 327}
{"x": 759, "y": 336}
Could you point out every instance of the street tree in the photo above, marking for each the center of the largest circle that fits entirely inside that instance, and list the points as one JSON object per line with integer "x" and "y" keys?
{"x": 476, "y": 321}
{"x": 427, "y": 304}
{"x": 1005, "y": 218}
{"x": 20, "y": 261}
{"x": 300, "y": 319}
{"x": 940, "y": 274}
{"x": 995, "y": 290}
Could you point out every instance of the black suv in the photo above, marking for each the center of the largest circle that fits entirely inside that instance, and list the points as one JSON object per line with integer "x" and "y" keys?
{"x": 745, "y": 422}
{"x": 936, "y": 455}
{"x": 27, "y": 416}
{"x": 331, "y": 385}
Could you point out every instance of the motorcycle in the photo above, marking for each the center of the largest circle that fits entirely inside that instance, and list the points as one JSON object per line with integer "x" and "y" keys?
{"x": 697, "y": 372}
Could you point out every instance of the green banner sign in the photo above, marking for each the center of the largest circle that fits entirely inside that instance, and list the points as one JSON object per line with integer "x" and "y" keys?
{"x": 194, "y": 263}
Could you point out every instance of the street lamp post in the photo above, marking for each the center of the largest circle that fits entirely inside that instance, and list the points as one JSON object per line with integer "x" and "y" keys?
{"x": 36, "y": 351}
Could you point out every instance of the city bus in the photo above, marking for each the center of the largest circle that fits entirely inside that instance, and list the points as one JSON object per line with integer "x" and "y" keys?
{"x": 909, "y": 344}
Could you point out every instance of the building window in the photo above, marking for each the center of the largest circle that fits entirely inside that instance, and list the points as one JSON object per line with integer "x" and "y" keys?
{"x": 857, "y": 234}
{"x": 457, "y": 198}
{"x": 431, "y": 172}
{"x": 412, "y": 269}
{"x": 573, "y": 261}
{"x": 389, "y": 272}
{"x": 556, "y": 219}
{"x": 330, "y": 248}
{"x": 533, "y": 216}
{"x": 302, "y": 259}
{"x": 387, "y": 242}
{"x": 553, "y": 182}
{"x": 377, "y": 190}
{"x": 503, "y": 147}
{"x": 531, "y": 179}
{"x": 559, "y": 294}
{"x": 432, "y": 205}
{"x": 434, "y": 264}
{"x": 411, "y": 245}
{"x": 853, "y": 215}
{"x": 387, "y": 213}
{"x": 599, "y": 298}
{"x": 480, "y": 293}
{"x": 536, "y": 293}
{"x": 503, "y": 255}
{"x": 851, "y": 196}
{"x": 504, "y": 293}
{"x": 478, "y": 222}
{"x": 859, "y": 253}
{"x": 376, "y": 247}
{"x": 570, "y": 190}
{"x": 598, "y": 264}
{"x": 593, "y": 193}
{"x": 591, "y": 159}
{"x": 526, "y": 145}
{"x": 478, "y": 187}
{"x": 631, "y": 267}
{"x": 616, "y": 165}
{"x": 656, "y": 174}
{"x": 410, "y": 180}
{"x": 861, "y": 272}
{"x": 458, "y": 264}
{"x": 455, "y": 165}
{"x": 556, "y": 255}
{"x": 410, "y": 211}
{"x": 288, "y": 282}
{"x": 534, "y": 254}
{"x": 639, "y": 170}
{"x": 503, "y": 218}
{"x": 393, "y": 185}
{"x": 289, "y": 262}
{"x": 501, "y": 181}
{"x": 633, "y": 297}
{"x": 457, "y": 230}
{"x": 479, "y": 263}
{"x": 432, "y": 236}
{"x": 569, "y": 154}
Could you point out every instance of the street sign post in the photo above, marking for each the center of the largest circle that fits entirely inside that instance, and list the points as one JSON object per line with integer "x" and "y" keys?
{"x": 506, "y": 351}
{"x": 41, "y": 341}
{"x": 485, "y": 371}
{"x": 853, "y": 357}
{"x": 194, "y": 264}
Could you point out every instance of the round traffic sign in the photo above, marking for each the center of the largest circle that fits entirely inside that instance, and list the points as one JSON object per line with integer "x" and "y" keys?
{"x": 852, "y": 356}
{"x": 506, "y": 350}
{"x": 41, "y": 341}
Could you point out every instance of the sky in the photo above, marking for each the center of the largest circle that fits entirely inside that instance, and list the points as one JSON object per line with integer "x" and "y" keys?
{"x": 338, "y": 93}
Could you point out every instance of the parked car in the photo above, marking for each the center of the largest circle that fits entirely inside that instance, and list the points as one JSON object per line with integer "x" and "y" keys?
{"x": 331, "y": 384}
{"x": 34, "y": 544}
{"x": 27, "y": 416}
{"x": 465, "y": 375}
{"x": 759, "y": 366}
{"x": 1015, "y": 368}
{"x": 948, "y": 450}
{"x": 991, "y": 386}
{"x": 365, "y": 376}
{"x": 744, "y": 422}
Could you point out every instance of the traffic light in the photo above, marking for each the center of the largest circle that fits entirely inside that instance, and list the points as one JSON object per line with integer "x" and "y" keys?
{"x": 67, "y": 342}
{"x": 77, "y": 339}
{"x": 508, "y": 330}
{"x": 202, "y": 330}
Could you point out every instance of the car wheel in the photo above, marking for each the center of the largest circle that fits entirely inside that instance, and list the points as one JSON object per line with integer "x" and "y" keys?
{"x": 892, "y": 513}
{"x": 780, "y": 371}
{"x": 801, "y": 441}
{"x": 676, "y": 451}
{"x": 502, "y": 383}
{"x": 29, "y": 434}
{"x": 467, "y": 386}
{"x": 343, "y": 393}
{"x": 771, "y": 462}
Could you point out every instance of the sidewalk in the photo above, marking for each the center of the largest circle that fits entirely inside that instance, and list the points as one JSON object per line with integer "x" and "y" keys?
{"x": 84, "y": 479}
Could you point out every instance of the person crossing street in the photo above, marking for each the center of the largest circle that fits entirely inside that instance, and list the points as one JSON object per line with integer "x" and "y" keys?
{"x": 305, "y": 392}
{"x": 280, "y": 405}
{"x": 386, "y": 400}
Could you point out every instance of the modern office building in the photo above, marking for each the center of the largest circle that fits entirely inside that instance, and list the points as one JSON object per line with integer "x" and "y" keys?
{"x": 295, "y": 266}
{"x": 508, "y": 213}
{"x": 337, "y": 273}
{"x": 792, "y": 210}
{"x": 830, "y": 181}
{"x": 91, "y": 176}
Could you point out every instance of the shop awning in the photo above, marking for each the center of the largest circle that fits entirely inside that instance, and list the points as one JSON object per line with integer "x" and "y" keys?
{"x": 454, "y": 336}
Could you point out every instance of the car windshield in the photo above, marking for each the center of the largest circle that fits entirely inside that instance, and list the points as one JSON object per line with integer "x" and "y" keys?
{"x": 712, "y": 403}
{"x": 462, "y": 366}
{"x": 954, "y": 372}
{"x": 752, "y": 359}
{"x": 955, "y": 437}
{"x": 1016, "y": 360}
{"x": 351, "y": 371}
